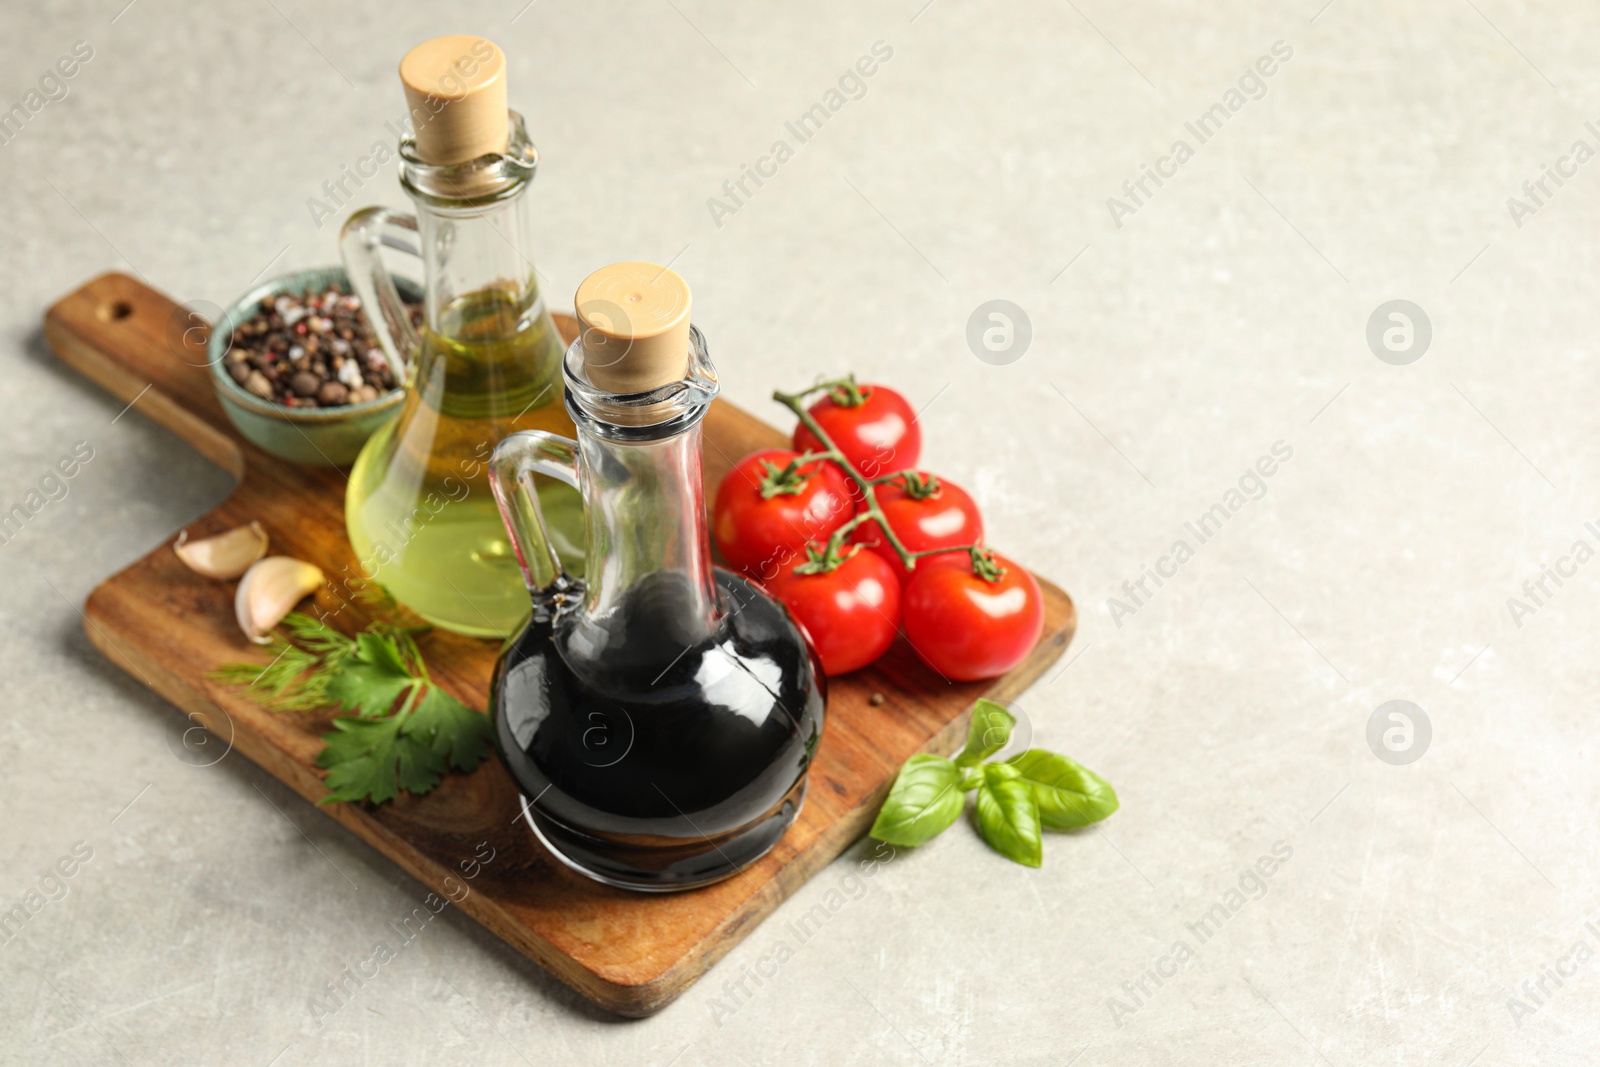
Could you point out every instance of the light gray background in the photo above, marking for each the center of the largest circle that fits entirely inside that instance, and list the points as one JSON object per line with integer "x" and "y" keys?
{"x": 1228, "y": 313}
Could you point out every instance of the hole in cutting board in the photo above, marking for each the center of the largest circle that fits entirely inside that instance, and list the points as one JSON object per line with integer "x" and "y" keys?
{"x": 115, "y": 311}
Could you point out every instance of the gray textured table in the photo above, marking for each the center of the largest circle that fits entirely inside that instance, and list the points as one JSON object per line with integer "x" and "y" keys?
{"x": 1427, "y": 912}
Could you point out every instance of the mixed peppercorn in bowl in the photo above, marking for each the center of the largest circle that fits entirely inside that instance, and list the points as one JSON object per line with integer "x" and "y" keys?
{"x": 299, "y": 370}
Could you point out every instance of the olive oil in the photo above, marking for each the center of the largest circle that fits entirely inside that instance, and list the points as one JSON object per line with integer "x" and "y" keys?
{"x": 419, "y": 508}
{"x": 419, "y": 511}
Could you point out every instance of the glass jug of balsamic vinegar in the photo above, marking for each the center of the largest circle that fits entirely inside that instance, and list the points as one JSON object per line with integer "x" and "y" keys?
{"x": 659, "y": 715}
{"x": 419, "y": 510}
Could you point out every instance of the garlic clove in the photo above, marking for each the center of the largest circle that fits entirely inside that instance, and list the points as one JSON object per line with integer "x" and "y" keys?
{"x": 227, "y": 555}
{"x": 269, "y": 590}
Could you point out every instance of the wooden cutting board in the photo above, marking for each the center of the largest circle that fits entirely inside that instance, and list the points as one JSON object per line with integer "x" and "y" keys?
{"x": 629, "y": 952}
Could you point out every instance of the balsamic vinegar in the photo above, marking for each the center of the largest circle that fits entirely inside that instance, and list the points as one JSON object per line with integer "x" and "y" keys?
{"x": 667, "y": 775}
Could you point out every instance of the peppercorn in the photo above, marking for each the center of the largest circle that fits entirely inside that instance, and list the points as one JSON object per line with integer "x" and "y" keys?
{"x": 312, "y": 350}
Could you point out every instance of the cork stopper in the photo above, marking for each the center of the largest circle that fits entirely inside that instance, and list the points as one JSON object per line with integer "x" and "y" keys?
{"x": 456, "y": 90}
{"x": 635, "y": 327}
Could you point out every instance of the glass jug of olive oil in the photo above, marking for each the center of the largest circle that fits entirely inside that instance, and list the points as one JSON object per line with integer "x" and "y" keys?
{"x": 487, "y": 362}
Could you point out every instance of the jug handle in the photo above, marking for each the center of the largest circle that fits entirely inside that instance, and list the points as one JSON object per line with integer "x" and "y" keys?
{"x": 359, "y": 242}
{"x": 516, "y": 459}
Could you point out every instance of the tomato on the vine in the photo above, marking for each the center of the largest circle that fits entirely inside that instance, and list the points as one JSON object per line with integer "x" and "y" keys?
{"x": 971, "y": 619}
{"x": 872, "y": 425}
{"x": 851, "y": 613}
{"x": 925, "y": 513}
{"x": 768, "y": 507}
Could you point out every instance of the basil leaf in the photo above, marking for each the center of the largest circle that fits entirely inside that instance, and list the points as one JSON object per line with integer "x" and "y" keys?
{"x": 1069, "y": 794}
{"x": 925, "y": 799}
{"x": 990, "y": 730}
{"x": 1008, "y": 815}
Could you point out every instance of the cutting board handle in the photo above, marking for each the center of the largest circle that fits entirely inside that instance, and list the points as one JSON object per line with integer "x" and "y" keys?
{"x": 149, "y": 352}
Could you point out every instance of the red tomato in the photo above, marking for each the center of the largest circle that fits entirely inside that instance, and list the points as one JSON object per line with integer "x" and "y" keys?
{"x": 762, "y": 521}
{"x": 850, "y": 613}
{"x": 878, "y": 435}
{"x": 967, "y": 627}
{"x": 946, "y": 518}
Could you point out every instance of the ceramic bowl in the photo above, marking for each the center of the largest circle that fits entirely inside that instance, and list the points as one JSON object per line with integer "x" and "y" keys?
{"x": 321, "y": 437}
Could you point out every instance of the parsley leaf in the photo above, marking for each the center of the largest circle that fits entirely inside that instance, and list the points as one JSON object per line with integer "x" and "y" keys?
{"x": 373, "y": 679}
{"x": 451, "y": 729}
{"x": 405, "y": 732}
{"x": 370, "y": 759}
